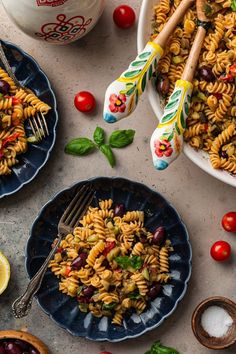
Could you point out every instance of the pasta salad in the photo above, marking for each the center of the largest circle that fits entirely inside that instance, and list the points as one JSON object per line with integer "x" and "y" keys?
{"x": 112, "y": 263}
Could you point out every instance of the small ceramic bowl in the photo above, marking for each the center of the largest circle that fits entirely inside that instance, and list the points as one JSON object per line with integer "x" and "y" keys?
{"x": 26, "y": 337}
{"x": 202, "y": 336}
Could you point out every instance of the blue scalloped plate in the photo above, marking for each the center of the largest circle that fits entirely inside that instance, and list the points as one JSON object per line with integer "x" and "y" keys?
{"x": 30, "y": 75}
{"x": 63, "y": 309}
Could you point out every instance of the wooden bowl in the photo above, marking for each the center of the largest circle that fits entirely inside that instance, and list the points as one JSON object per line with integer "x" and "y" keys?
{"x": 27, "y": 337}
{"x": 202, "y": 336}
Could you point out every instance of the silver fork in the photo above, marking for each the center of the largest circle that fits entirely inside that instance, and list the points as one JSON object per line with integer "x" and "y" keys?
{"x": 38, "y": 122}
{"x": 69, "y": 220}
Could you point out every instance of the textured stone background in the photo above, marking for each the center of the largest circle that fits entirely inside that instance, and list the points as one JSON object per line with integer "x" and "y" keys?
{"x": 91, "y": 64}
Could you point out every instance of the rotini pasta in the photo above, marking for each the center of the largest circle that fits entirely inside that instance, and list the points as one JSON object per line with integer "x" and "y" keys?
{"x": 213, "y": 106}
{"x": 15, "y": 108}
{"x": 110, "y": 275}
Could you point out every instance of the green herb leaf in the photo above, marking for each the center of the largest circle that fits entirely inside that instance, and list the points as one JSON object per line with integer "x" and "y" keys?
{"x": 134, "y": 296}
{"x": 136, "y": 262}
{"x": 121, "y": 138}
{"x": 106, "y": 150}
{"x": 233, "y": 5}
{"x": 79, "y": 146}
{"x": 123, "y": 261}
{"x": 110, "y": 306}
{"x": 99, "y": 136}
{"x": 157, "y": 348}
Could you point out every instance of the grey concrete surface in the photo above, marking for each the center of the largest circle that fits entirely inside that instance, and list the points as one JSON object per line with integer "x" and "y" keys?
{"x": 91, "y": 64}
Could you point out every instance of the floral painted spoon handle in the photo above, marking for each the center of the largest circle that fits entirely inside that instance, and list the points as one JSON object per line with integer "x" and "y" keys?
{"x": 167, "y": 139}
{"x": 123, "y": 94}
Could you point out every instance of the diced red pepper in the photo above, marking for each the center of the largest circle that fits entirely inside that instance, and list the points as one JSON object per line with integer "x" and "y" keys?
{"x": 16, "y": 101}
{"x": 68, "y": 270}
{"x": 206, "y": 127}
{"x": 227, "y": 78}
{"x": 59, "y": 250}
{"x": 232, "y": 70}
{"x": 109, "y": 246}
{"x": 10, "y": 138}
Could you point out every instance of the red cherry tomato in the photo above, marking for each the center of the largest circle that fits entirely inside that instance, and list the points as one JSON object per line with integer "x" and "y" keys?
{"x": 220, "y": 251}
{"x": 84, "y": 101}
{"x": 105, "y": 352}
{"x": 229, "y": 221}
{"x": 124, "y": 16}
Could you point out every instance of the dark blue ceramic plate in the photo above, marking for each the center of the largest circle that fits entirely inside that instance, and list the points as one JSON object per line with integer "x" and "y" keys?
{"x": 63, "y": 309}
{"x": 30, "y": 75}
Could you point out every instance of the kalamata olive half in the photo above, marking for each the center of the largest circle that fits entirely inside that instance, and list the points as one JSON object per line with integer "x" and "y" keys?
{"x": 4, "y": 87}
{"x": 88, "y": 291}
{"x": 119, "y": 210}
{"x": 22, "y": 344}
{"x": 80, "y": 261}
{"x": 163, "y": 85}
{"x": 159, "y": 236}
{"x": 206, "y": 73}
{"x": 2, "y": 350}
{"x": 154, "y": 291}
{"x": 12, "y": 348}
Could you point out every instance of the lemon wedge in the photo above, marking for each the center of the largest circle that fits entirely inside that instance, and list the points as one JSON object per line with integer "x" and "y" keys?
{"x": 4, "y": 272}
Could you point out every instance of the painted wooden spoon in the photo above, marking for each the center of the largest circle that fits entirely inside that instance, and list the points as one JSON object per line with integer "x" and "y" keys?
{"x": 167, "y": 140}
{"x": 123, "y": 94}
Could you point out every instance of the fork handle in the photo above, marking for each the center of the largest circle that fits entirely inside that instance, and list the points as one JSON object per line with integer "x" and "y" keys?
{"x": 7, "y": 65}
{"x": 22, "y": 305}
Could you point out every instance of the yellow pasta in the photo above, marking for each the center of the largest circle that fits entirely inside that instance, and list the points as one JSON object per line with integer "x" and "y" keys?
{"x": 110, "y": 263}
{"x": 213, "y": 105}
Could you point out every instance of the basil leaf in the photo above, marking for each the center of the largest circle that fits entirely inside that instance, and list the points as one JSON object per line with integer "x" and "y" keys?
{"x": 136, "y": 262}
{"x": 99, "y": 136}
{"x": 106, "y": 150}
{"x": 110, "y": 306}
{"x": 233, "y": 5}
{"x": 157, "y": 348}
{"x": 121, "y": 138}
{"x": 79, "y": 146}
{"x": 123, "y": 261}
{"x": 134, "y": 296}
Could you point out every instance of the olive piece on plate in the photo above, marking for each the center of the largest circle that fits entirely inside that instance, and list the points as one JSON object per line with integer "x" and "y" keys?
{"x": 2, "y": 350}
{"x": 163, "y": 85}
{"x": 206, "y": 73}
{"x": 4, "y": 87}
{"x": 12, "y": 348}
{"x": 159, "y": 236}
{"x": 88, "y": 291}
{"x": 154, "y": 291}
{"x": 80, "y": 261}
{"x": 119, "y": 210}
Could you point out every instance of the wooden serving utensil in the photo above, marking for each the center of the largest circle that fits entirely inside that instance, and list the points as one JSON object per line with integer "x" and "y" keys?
{"x": 123, "y": 94}
{"x": 167, "y": 139}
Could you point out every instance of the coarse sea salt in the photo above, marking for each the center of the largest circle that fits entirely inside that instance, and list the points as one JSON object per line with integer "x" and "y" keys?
{"x": 216, "y": 321}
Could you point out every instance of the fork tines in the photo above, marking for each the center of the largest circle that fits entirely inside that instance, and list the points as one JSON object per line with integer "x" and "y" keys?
{"x": 78, "y": 206}
{"x": 39, "y": 126}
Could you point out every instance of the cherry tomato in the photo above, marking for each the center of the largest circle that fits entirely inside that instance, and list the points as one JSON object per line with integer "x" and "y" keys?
{"x": 84, "y": 101}
{"x": 229, "y": 221}
{"x": 105, "y": 352}
{"x": 220, "y": 251}
{"x": 124, "y": 16}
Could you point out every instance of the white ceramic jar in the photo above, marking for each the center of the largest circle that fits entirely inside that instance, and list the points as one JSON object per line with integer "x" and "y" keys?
{"x": 55, "y": 21}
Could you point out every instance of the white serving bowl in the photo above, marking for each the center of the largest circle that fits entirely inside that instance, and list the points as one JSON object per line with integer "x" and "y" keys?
{"x": 200, "y": 158}
{"x": 55, "y": 21}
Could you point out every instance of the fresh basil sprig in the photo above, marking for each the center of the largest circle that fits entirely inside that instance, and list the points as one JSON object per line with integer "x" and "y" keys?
{"x": 121, "y": 138}
{"x": 80, "y": 146}
{"x": 157, "y": 348}
{"x": 84, "y": 146}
